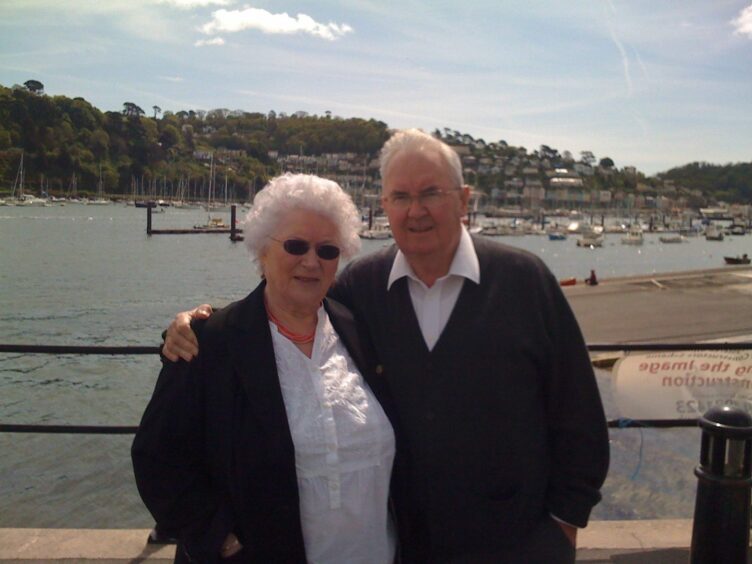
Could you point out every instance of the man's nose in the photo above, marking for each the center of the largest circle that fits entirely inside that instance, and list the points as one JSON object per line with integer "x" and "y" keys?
{"x": 416, "y": 208}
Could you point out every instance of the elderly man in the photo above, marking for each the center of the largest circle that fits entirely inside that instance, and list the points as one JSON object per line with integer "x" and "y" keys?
{"x": 503, "y": 437}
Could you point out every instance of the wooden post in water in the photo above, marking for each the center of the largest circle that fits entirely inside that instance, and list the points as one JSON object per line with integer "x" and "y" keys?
{"x": 148, "y": 218}
{"x": 233, "y": 228}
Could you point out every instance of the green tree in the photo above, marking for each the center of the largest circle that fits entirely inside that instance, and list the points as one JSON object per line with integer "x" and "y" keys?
{"x": 132, "y": 110}
{"x": 34, "y": 86}
{"x": 169, "y": 137}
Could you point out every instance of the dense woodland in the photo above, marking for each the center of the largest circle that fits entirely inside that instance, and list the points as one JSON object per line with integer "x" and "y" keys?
{"x": 68, "y": 141}
{"x": 61, "y": 137}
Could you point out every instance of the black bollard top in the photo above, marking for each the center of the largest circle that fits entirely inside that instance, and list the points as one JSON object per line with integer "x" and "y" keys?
{"x": 727, "y": 421}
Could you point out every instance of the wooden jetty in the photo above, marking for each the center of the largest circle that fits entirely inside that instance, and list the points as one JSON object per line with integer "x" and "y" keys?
{"x": 236, "y": 233}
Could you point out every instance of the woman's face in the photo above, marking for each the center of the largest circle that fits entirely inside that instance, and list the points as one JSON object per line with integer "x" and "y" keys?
{"x": 299, "y": 282}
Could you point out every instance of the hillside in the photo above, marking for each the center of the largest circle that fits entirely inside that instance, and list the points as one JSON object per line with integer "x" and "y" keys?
{"x": 68, "y": 144}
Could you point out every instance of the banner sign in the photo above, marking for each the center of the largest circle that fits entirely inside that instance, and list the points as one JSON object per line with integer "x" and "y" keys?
{"x": 681, "y": 385}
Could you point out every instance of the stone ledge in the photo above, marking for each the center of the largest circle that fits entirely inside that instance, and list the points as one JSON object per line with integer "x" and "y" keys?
{"x": 665, "y": 541}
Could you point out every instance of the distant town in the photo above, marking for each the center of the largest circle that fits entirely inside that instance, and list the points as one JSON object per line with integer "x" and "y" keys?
{"x": 55, "y": 146}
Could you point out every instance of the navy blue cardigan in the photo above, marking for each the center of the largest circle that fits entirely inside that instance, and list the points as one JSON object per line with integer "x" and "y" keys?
{"x": 501, "y": 423}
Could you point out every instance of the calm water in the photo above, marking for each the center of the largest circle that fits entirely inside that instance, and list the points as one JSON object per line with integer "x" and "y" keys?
{"x": 77, "y": 275}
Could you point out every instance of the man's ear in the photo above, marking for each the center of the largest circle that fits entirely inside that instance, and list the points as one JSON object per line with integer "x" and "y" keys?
{"x": 464, "y": 198}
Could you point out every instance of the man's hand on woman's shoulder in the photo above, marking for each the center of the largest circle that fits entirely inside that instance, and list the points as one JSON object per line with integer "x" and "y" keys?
{"x": 180, "y": 341}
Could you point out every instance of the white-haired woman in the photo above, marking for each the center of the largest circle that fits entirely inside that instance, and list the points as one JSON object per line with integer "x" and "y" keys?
{"x": 271, "y": 446}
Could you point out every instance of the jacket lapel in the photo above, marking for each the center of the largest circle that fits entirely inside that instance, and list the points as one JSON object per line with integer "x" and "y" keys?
{"x": 252, "y": 356}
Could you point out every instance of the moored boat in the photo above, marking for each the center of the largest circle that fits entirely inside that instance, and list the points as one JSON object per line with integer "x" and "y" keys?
{"x": 212, "y": 223}
{"x": 744, "y": 259}
{"x": 591, "y": 237}
{"x": 713, "y": 233}
{"x": 633, "y": 236}
{"x": 675, "y": 238}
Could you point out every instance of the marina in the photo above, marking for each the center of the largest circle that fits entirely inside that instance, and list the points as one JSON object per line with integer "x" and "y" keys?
{"x": 79, "y": 275}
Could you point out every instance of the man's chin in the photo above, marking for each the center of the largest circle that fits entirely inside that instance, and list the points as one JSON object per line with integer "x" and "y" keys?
{"x": 416, "y": 247}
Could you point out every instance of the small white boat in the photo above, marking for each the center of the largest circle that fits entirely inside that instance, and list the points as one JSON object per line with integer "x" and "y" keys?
{"x": 590, "y": 240}
{"x": 379, "y": 229}
{"x": 211, "y": 223}
{"x": 591, "y": 237}
{"x": 713, "y": 233}
{"x": 380, "y": 233}
{"x": 676, "y": 238}
{"x": 30, "y": 200}
{"x": 634, "y": 236}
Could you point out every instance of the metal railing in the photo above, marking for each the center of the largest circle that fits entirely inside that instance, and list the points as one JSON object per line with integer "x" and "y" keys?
{"x": 620, "y": 423}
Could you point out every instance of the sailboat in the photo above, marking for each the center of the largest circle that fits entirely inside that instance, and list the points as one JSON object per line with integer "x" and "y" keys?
{"x": 100, "y": 200}
{"x": 12, "y": 200}
{"x": 25, "y": 199}
{"x": 211, "y": 222}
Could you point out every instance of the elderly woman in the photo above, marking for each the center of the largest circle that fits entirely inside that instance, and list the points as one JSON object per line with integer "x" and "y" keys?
{"x": 270, "y": 446}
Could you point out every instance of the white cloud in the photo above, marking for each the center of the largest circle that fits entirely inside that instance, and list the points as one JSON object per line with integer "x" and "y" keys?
{"x": 212, "y": 41}
{"x": 171, "y": 78}
{"x": 743, "y": 22}
{"x": 266, "y": 22}
{"x": 188, "y": 4}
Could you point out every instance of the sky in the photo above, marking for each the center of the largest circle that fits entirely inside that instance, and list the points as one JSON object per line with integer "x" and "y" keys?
{"x": 649, "y": 83}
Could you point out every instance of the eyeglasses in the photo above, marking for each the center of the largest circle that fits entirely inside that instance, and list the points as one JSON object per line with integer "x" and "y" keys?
{"x": 428, "y": 198}
{"x": 299, "y": 247}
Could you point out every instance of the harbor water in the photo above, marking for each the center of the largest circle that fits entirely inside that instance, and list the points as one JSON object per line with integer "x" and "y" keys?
{"x": 84, "y": 275}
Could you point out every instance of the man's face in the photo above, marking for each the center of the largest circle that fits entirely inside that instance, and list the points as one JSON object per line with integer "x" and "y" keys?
{"x": 429, "y": 226}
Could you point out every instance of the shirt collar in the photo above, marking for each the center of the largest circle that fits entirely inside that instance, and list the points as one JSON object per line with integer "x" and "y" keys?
{"x": 465, "y": 263}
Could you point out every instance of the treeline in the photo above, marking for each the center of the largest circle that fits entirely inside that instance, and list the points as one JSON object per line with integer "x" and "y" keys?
{"x": 728, "y": 183}
{"x": 67, "y": 140}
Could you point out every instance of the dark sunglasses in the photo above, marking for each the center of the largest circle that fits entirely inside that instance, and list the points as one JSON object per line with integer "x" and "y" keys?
{"x": 299, "y": 247}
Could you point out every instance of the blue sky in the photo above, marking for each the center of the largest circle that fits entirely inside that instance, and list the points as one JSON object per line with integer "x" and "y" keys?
{"x": 650, "y": 83}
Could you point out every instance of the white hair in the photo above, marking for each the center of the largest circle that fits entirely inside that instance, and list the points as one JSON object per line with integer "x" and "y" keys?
{"x": 409, "y": 140}
{"x": 306, "y": 192}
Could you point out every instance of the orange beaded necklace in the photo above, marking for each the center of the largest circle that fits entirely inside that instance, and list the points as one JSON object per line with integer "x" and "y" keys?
{"x": 285, "y": 332}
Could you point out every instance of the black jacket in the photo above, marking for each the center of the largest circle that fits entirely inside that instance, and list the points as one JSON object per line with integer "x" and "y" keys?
{"x": 214, "y": 454}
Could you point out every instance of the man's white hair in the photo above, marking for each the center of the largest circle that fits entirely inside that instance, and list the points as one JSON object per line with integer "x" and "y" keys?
{"x": 415, "y": 140}
{"x": 307, "y": 192}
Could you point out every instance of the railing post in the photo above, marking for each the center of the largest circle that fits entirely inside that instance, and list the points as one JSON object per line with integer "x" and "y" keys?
{"x": 720, "y": 532}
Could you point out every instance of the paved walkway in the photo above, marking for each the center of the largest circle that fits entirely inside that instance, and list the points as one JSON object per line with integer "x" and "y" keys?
{"x": 673, "y": 308}
{"x": 624, "y": 542}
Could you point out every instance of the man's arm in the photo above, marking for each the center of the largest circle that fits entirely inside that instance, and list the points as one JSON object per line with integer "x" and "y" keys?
{"x": 179, "y": 340}
{"x": 577, "y": 423}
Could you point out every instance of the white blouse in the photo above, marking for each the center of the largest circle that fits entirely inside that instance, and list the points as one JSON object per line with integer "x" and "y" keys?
{"x": 344, "y": 449}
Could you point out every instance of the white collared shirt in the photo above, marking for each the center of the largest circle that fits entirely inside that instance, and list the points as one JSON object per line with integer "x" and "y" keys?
{"x": 344, "y": 449}
{"x": 434, "y": 305}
